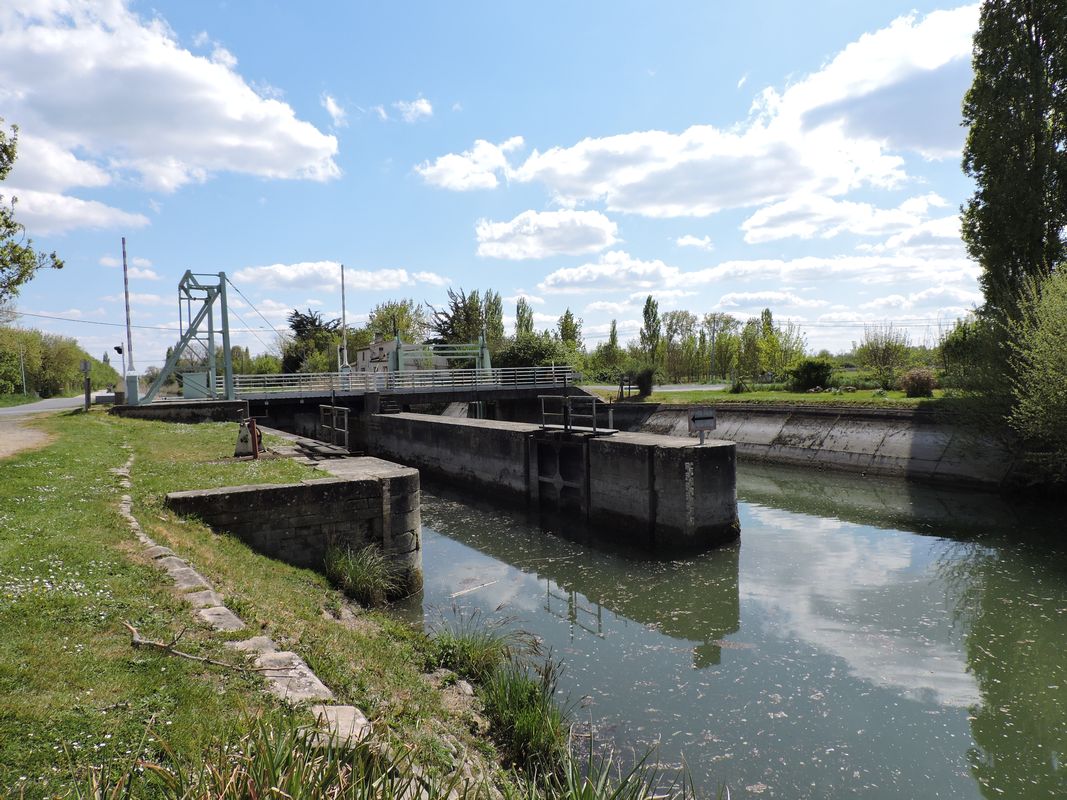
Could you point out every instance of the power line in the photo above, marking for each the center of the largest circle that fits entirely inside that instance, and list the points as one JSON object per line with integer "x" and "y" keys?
{"x": 253, "y": 307}
{"x": 122, "y": 325}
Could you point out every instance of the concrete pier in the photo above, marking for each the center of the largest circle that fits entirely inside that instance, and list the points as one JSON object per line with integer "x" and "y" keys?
{"x": 667, "y": 493}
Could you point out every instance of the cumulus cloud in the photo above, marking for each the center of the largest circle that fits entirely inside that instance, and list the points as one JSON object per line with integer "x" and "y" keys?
{"x": 819, "y": 136}
{"x": 776, "y": 299}
{"x": 326, "y": 275}
{"x": 539, "y": 234}
{"x": 338, "y": 115}
{"x": 808, "y": 216}
{"x": 701, "y": 242}
{"x": 532, "y": 299}
{"x": 414, "y": 110}
{"x": 476, "y": 168}
{"x": 615, "y": 270}
{"x": 46, "y": 213}
{"x": 103, "y": 93}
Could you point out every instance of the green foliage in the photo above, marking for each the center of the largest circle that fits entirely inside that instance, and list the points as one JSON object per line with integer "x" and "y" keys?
{"x": 532, "y": 350}
{"x": 524, "y": 320}
{"x": 650, "y": 332}
{"x": 520, "y": 702}
{"x": 474, "y": 647}
{"x": 809, "y": 373}
{"x": 467, "y": 315}
{"x": 918, "y": 382}
{"x": 644, "y": 378}
{"x": 1039, "y": 361}
{"x": 365, "y": 574}
{"x": 18, "y": 260}
{"x": 885, "y": 351}
{"x": 569, "y": 330}
{"x": 313, "y": 346}
{"x": 53, "y": 364}
{"x": 1016, "y": 148}
{"x": 404, "y": 317}
{"x": 973, "y": 356}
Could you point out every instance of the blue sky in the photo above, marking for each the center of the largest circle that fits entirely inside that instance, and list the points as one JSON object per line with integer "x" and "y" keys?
{"x": 721, "y": 156}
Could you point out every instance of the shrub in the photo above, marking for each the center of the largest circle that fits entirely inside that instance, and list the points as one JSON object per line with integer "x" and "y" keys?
{"x": 809, "y": 373}
{"x": 520, "y": 703}
{"x": 918, "y": 382}
{"x": 475, "y": 647}
{"x": 644, "y": 379}
{"x": 365, "y": 574}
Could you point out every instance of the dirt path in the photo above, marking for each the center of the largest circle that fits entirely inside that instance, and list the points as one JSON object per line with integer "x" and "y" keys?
{"x": 16, "y": 436}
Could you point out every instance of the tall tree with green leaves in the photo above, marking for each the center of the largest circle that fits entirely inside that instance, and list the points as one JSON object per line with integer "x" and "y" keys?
{"x": 524, "y": 320}
{"x": 493, "y": 313}
{"x": 1016, "y": 150}
{"x": 18, "y": 260}
{"x": 569, "y": 329}
{"x": 404, "y": 317}
{"x": 651, "y": 328}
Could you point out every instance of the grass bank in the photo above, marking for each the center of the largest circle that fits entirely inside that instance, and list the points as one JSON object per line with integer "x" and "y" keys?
{"x": 74, "y": 694}
{"x": 864, "y": 398}
{"x": 9, "y": 400}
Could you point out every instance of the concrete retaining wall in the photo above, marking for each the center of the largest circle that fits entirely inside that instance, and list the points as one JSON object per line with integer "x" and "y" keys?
{"x": 186, "y": 411}
{"x": 376, "y": 503}
{"x": 667, "y": 493}
{"x": 878, "y": 441}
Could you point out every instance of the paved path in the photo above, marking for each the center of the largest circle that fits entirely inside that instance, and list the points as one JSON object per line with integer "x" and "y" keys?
{"x": 51, "y": 404}
{"x": 16, "y": 436}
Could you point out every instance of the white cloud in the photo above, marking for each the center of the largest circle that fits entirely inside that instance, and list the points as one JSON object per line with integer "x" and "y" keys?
{"x": 839, "y": 129}
{"x": 539, "y": 234}
{"x": 50, "y": 213}
{"x": 701, "y": 243}
{"x": 381, "y": 113}
{"x": 136, "y": 297}
{"x": 926, "y": 298}
{"x": 143, "y": 274}
{"x": 476, "y": 168}
{"x": 414, "y": 110}
{"x": 807, "y": 216}
{"x": 109, "y": 261}
{"x": 616, "y": 270}
{"x": 137, "y": 261}
{"x": 326, "y": 275}
{"x": 220, "y": 55}
{"x": 532, "y": 299}
{"x": 774, "y": 299}
{"x": 338, "y": 115}
{"x": 120, "y": 93}
{"x": 608, "y": 307}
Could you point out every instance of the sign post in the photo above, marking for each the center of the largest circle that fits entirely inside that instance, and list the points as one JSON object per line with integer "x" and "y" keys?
{"x": 701, "y": 420}
{"x": 86, "y": 368}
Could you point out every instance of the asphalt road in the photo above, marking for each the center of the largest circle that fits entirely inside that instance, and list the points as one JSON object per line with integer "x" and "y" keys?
{"x": 51, "y": 404}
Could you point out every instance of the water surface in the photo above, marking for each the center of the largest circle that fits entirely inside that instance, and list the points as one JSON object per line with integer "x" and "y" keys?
{"x": 866, "y": 638}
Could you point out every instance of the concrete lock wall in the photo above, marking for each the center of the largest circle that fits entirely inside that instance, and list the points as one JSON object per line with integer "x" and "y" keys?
{"x": 376, "y": 503}
{"x": 665, "y": 492}
{"x": 897, "y": 442}
{"x": 187, "y": 411}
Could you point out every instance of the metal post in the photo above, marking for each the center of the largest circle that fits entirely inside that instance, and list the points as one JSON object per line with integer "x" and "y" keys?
{"x": 126, "y": 291}
{"x": 22, "y": 366}
{"x": 344, "y": 322}
{"x": 227, "y": 356}
{"x": 211, "y": 352}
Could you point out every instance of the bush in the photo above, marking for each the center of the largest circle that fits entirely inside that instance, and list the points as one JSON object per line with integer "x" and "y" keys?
{"x": 475, "y": 648}
{"x": 520, "y": 704}
{"x": 366, "y": 575}
{"x": 809, "y": 373}
{"x": 644, "y": 380}
{"x": 918, "y": 382}
{"x": 532, "y": 350}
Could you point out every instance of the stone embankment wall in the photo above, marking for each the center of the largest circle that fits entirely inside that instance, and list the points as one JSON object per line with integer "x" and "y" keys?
{"x": 911, "y": 443}
{"x": 668, "y": 493}
{"x": 375, "y": 502}
{"x": 186, "y": 411}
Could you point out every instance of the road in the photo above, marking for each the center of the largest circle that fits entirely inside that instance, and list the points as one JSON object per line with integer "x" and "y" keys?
{"x": 51, "y": 404}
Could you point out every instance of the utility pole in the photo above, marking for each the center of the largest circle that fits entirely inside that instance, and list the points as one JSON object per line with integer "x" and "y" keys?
{"x": 22, "y": 365}
{"x": 132, "y": 390}
{"x": 344, "y": 323}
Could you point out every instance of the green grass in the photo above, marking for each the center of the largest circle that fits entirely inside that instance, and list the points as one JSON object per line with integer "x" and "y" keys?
{"x": 531, "y": 727}
{"x": 861, "y": 397}
{"x": 8, "y": 400}
{"x": 365, "y": 575}
{"x": 474, "y": 647}
{"x": 70, "y": 573}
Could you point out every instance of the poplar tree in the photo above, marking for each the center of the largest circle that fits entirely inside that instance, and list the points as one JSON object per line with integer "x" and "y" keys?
{"x": 650, "y": 332}
{"x": 1016, "y": 148}
{"x": 524, "y": 320}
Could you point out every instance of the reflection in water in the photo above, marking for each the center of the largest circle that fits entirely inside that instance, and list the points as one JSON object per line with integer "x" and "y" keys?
{"x": 833, "y": 652}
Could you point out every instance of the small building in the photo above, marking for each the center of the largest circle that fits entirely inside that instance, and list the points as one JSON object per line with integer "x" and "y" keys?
{"x": 380, "y": 356}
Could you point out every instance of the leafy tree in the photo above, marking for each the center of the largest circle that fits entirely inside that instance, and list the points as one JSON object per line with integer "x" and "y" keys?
{"x": 404, "y": 317}
{"x": 533, "y": 350}
{"x": 716, "y": 323}
{"x": 1039, "y": 361}
{"x": 18, "y": 260}
{"x": 1016, "y": 149}
{"x": 569, "y": 330}
{"x": 313, "y": 345}
{"x": 885, "y": 350}
{"x": 461, "y": 321}
{"x": 650, "y": 332}
{"x": 524, "y": 319}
